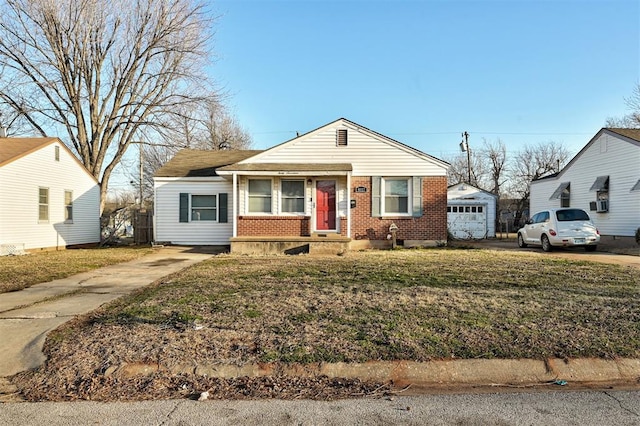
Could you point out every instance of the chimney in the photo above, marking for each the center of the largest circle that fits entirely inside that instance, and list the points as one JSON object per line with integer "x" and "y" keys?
{"x": 3, "y": 132}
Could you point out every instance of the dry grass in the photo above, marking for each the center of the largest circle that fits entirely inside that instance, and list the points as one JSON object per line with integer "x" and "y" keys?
{"x": 408, "y": 305}
{"x": 18, "y": 272}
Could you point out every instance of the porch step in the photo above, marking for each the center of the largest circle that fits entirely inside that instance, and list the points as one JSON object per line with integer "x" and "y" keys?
{"x": 290, "y": 245}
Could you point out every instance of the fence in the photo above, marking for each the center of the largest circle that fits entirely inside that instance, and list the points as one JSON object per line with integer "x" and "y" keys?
{"x": 143, "y": 226}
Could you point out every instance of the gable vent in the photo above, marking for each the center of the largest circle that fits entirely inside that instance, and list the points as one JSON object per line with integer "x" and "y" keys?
{"x": 341, "y": 137}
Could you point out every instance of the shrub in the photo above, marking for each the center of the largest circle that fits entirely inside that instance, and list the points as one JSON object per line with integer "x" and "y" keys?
{"x": 638, "y": 235}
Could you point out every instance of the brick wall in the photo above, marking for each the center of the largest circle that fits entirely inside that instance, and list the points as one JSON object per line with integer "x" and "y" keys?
{"x": 273, "y": 226}
{"x": 431, "y": 226}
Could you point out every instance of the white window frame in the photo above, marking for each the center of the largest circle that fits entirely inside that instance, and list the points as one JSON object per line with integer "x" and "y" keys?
{"x": 68, "y": 207}
{"x": 304, "y": 198}
{"x": 191, "y": 208}
{"x": 383, "y": 201}
{"x": 248, "y": 197}
{"x": 41, "y": 204}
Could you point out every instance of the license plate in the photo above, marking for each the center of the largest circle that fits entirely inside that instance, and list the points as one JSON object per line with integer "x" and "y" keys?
{"x": 578, "y": 240}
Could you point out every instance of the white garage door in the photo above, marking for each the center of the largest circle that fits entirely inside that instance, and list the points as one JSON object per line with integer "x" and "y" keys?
{"x": 468, "y": 221}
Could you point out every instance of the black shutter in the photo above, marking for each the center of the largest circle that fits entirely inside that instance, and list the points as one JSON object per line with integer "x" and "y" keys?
{"x": 223, "y": 206}
{"x": 184, "y": 207}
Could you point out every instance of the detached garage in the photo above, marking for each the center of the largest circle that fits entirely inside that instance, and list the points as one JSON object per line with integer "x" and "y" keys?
{"x": 471, "y": 212}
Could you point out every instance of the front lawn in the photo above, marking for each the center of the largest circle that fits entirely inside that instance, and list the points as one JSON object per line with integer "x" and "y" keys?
{"x": 394, "y": 305}
{"x": 18, "y": 272}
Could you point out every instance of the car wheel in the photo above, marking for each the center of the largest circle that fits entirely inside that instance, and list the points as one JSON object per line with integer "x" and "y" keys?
{"x": 521, "y": 242}
{"x": 546, "y": 245}
{"x": 590, "y": 248}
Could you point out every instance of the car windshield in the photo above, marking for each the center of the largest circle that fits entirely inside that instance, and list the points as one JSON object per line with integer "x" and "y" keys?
{"x": 572, "y": 214}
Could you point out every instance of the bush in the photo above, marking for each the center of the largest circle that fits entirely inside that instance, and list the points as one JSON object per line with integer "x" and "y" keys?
{"x": 638, "y": 235}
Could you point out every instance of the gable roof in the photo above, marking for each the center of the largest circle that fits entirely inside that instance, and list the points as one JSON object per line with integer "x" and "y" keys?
{"x": 629, "y": 135}
{"x": 201, "y": 163}
{"x": 362, "y": 129}
{"x": 12, "y": 149}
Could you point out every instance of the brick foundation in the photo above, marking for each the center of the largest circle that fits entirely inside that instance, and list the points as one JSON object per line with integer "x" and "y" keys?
{"x": 274, "y": 226}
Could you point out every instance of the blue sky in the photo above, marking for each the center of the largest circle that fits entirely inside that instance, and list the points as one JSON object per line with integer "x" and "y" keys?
{"x": 422, "y": 72}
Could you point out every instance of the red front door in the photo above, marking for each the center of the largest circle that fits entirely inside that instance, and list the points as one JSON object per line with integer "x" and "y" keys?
{"x": 326, "y": 205}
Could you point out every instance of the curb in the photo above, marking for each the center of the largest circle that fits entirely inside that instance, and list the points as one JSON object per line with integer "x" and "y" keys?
{"x": 402, "y": 373}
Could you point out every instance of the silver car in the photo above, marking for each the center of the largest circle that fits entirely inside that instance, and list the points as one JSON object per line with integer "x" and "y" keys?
{"x": 559, "y": 228}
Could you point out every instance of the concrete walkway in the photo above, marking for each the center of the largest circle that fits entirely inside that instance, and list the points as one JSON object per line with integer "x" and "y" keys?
{"x": 27, "y": 316}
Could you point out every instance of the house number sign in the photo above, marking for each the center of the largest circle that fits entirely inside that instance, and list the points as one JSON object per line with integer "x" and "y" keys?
{"x": 360, "y": 189}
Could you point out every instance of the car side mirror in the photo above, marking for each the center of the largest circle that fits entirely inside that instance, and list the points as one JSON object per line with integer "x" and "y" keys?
{"x": 529, "y": 222}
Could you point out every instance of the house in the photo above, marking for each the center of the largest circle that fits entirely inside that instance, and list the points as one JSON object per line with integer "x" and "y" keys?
{"x": 48, "y": 198}
{"x": 471, "y": 212}
{"x": 603, "y": 179}
{"x": 341, "y": 186}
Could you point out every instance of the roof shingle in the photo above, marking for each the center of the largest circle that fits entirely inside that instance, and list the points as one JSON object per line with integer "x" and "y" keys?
{"x": 201, "y": 163}
{"x": 13, "y": 148}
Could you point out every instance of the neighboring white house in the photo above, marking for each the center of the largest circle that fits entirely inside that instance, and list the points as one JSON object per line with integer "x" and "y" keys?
{"x": 48, "y": 198}
{"x": 471, "y": 212}
{"x": 603, "y": 179}
{"x": 341, "y": 183}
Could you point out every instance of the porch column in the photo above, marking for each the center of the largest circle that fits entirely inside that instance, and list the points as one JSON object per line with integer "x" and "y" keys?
{"x": 349, "y": 204}
{"x": 234, "y": 209}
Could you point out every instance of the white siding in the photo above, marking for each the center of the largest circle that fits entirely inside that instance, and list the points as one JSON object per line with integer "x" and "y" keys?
{"x": 167, "y": 225}
{"x": 369, "y": 155}
{"x": 19, "y": 184}
{"x": 606, "y": 155}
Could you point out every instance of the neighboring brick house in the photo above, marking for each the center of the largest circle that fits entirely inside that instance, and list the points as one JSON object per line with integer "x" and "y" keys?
{"x": 337, "y": 187}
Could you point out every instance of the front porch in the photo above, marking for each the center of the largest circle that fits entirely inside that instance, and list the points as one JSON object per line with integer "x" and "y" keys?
{"x": 315, "y": 244}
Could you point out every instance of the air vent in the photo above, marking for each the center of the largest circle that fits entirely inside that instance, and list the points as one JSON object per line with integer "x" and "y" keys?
{"x": 602, "y": 206}
{"x": 341, "y": 137}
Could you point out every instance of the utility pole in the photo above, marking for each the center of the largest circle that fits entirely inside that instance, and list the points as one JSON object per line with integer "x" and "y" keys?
{"x": 464, "y": 147}
{"x": 141, "y": 173}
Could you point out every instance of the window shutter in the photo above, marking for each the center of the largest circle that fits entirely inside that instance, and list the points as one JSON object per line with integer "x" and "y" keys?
{"x": 376, "y": 192}
{"x": 417, "y": 196}
{"x": 223, "y": 208}
{"x": 184, "y": 207}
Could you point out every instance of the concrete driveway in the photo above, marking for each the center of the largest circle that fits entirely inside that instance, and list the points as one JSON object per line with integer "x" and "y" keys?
{"x": 511, "y": 244}
{"x": 27, "y": 316}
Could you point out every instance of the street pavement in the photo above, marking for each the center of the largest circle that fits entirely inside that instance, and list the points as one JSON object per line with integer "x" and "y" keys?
{"x": 583, "y": 408}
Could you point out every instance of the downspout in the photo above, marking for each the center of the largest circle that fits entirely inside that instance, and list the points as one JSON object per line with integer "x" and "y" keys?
{"x": 235, "y": 204}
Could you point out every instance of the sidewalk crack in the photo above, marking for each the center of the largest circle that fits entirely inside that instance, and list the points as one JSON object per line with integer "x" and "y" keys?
{"x": 170, "y": 413}
{"x": 628, "y": 410}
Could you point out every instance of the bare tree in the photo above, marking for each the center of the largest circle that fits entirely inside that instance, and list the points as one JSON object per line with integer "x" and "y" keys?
{"x": 533, "y": 162}
{"x": 632, "y": 119}
{"x": 488, "y": 166}
{"x": 205, "y": 126}
{"x": 102, "y": 72}
{"x": 496, "y": 154}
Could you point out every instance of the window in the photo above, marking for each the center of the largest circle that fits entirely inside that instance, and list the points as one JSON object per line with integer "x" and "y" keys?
{"x": 199, "y": 207}
{"x": 565, "y": 197}
{"x": 43, "y": 204}
{"x": 559, "y": 190}
{"x": 396, "y": 196}
{"x": 68, "y": 206}
{"x": 57, "y": 153}
{"x": 203, "y": 207}
{"x": 292, "y": 196}
{"x": 341, "y": 137}
{"x": 259, "y": 196}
